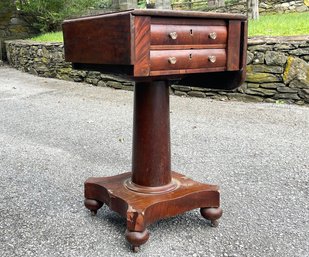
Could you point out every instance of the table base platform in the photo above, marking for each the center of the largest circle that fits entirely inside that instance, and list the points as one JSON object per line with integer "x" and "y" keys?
{"x": 141, "y": 206}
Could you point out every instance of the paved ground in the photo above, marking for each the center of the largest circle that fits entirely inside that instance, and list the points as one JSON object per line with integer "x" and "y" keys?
{"x": 54, "y": 134}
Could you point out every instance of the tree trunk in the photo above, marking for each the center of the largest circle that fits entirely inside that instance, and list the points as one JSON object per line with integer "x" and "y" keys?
{"x": 253, "y": 9}
{"x": 124, "y": 4}
{"x": 215, "y": 3}
{"x": 159, "y": 4}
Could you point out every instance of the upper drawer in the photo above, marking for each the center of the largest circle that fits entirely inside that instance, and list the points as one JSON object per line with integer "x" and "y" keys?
{"x": 187, "y": 34}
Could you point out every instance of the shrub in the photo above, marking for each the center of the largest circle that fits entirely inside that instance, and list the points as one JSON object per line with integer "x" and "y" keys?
{"x": 49, "y": 14}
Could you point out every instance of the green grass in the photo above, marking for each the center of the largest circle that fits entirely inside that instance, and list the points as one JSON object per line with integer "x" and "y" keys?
{"x": 49, "y": 37}
{"x": 289, "y": 24}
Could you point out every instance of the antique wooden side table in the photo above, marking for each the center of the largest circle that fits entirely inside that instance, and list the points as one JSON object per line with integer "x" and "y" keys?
{"x": 153, "y": 47}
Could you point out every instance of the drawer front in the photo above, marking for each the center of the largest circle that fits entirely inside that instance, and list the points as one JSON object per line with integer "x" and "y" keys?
{"x": 187, "y": 34}
{"x": 187, "y": 59}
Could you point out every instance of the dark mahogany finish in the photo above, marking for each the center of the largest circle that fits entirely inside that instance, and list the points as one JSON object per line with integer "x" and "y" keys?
{"x": 97, "y": 38}
{"x": 151, "y": 135}
{"x": 187, "y": 60}
{"x": 152, "y": 47}
{"x": 187, "y": 34}
{"x": 129, "y": 42}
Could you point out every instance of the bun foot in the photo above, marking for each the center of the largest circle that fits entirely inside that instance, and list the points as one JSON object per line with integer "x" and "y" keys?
{"x": 212, "y": 214}
{"x": 136, "y": 239}
{"x": 135, "y": 249}
{"x": 93, "y": 205}
{"x": 214, "y": 223}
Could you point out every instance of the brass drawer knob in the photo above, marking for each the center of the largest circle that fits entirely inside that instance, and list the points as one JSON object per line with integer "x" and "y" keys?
{"x": 212, "y": 58}
{"x": 172, "y": 60}
{"x": 173, "y": 35}
{"x": 213, "y": 35}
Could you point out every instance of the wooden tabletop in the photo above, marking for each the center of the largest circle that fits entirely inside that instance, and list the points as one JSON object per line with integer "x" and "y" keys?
{"x": 168, "y": 13}
{"x": 187, "y": 14}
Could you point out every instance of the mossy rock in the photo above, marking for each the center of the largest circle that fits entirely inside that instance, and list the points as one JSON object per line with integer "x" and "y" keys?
{"x": 114, "y": 84}
{"x": 264, "y": 68}
{"x": 45, "y": 60}
{"x": 244, "y": 98}
{"x": 197, "y": 94}
{"x": 296, "y": 69}
{"x": 18, "y": 29}
{"x": 65, "y": 70}
{"x": 286, "y": 96}
{"x": 272, "y": 85}
{"x": 275, "y": 58}
{"x": 262, "y": 77}
{"x": 261, "y": 91}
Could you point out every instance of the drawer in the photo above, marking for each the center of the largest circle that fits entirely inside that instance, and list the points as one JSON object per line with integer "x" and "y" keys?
{"x": 187, "y": 59}
{"x": 187, "y": 34}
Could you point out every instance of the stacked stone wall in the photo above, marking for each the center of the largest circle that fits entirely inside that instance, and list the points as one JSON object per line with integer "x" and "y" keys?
{"x": 277, "y": 70}
{"x": 282, "y": 6}
{"x": 265, "y": 7}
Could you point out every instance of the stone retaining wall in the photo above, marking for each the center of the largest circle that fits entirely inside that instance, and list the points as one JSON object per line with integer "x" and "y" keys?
{"x": 265, "y": 7}
{"x": 277, "y": 71}
{"x": 282, "y": 6}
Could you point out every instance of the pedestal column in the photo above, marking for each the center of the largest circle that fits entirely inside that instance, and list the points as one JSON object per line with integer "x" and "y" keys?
{"x": 151, "y": 160}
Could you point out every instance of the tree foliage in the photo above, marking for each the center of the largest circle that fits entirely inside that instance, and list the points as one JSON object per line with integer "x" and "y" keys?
{"x": 49, "y": 14}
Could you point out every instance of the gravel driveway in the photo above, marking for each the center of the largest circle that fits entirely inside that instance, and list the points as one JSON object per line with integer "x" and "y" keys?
{"x": 54, "y": 134}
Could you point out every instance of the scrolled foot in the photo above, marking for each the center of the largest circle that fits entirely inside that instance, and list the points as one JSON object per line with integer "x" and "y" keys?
{"x": 136, "y": 238}
{"x": 93, "y": 205}
{"x": 212, "y": 214}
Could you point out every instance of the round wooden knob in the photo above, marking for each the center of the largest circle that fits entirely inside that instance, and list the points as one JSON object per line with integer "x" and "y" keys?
{"x": 173, "y": 35}
{"x": 213, "y": 35}
{"x": 172, "y": 60}
{"x": 212, "y": 58}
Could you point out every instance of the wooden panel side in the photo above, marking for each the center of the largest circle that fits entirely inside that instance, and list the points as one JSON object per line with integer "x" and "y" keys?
{"x": 142, "y": 46}
{"x": 243, "y": 49}
{"x": 100, "y": 40}
{"x": 233, "y": 45}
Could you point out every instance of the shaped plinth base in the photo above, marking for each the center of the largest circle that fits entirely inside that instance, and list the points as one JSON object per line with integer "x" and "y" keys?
{"x": 141, "y": 208}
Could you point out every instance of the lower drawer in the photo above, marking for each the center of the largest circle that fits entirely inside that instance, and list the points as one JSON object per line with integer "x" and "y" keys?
{"x": 161, "y": 60}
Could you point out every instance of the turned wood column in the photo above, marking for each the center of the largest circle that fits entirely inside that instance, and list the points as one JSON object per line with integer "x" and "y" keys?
{"x": 151, "y": 161}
